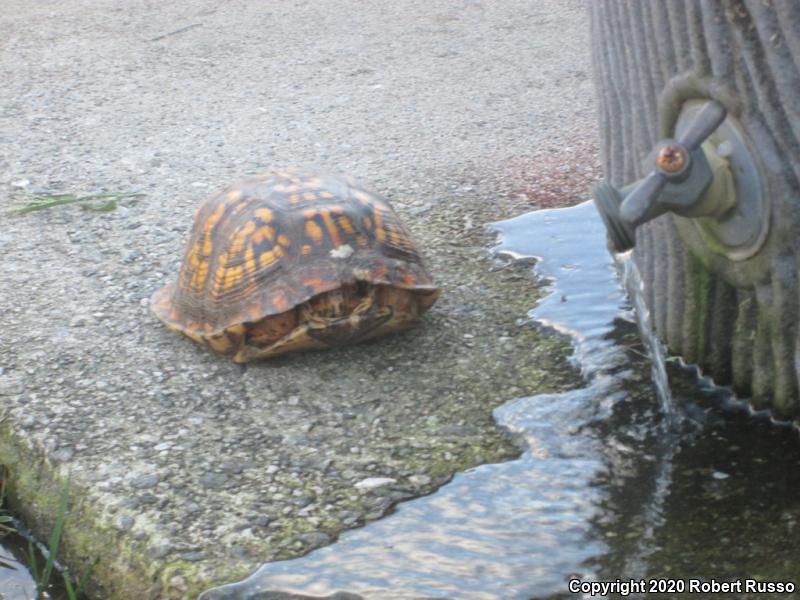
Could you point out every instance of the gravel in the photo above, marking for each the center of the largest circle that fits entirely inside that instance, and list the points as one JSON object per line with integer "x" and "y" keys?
{"x": 186, "y": 469}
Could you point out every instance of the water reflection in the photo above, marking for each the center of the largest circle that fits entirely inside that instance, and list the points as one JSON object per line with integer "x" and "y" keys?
{"x": 731, "y": 508}
{"x": 16, "y": 582}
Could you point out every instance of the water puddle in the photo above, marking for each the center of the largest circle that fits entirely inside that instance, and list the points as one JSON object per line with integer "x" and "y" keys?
{"x": 16, "y": 582}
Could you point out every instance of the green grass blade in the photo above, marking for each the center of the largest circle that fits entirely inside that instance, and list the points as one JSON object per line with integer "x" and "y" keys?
{"x": 87, "y": 574}
{"x": 72, "y": 594}
{"x": 74, "y": 591}
{"x": 55, "y": 538}
{"x": 33, "y": 566}
{"x": 105, "y": 207}
{"x": 3, "y": 479}
{"x": 41, "y": 206}
{"x": 33, "y": 202}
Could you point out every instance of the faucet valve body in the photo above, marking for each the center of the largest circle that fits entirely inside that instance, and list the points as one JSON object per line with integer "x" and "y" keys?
{"x": 707, "y": 174}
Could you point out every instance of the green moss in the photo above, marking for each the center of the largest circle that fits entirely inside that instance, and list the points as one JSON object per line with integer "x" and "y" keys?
{"x": 126, "y": 569}
{"x": 702, "y": 282}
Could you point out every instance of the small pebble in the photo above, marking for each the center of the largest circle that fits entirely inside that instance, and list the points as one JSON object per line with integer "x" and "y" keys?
{"x": 371, "y": 483}
{"x": 178, "y": 583}
{"x": 193, "y": 556}
{"x": 160, "y": 550}
{"x": 144, "y": 482}
{"x": 315, "y": 539}
{"x": 213, "y": 480}
{"x": 62, "y": 454}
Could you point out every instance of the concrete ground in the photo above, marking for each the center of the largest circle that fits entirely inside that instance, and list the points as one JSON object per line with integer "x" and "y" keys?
{"x": 186, "y": 470}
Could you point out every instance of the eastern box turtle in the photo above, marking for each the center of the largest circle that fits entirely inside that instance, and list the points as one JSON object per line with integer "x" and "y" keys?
{"x": 292, "y": 260}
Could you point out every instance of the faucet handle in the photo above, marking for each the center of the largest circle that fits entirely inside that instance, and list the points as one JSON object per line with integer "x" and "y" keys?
{"x": 673, "y": 164}
{"x": 703, "y": 125}
{"x": 642, "y": 199}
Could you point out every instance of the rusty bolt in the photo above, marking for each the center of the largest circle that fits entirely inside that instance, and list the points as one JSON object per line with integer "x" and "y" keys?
{"x": 672, "y": 158}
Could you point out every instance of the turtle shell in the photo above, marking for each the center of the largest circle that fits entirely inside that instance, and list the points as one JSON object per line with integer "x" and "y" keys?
{"x": 276, "y": 240}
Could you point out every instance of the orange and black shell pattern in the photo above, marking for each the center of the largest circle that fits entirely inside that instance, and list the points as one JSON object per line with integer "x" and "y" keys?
{"x": 297, "y": 253}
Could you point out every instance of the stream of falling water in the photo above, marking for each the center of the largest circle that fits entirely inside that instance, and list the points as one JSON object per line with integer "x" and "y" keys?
{"x": 635, "y": 287}
{"x": 523, "y": 528}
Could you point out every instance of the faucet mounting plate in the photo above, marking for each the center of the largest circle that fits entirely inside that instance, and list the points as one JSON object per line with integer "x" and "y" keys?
{"x": 740, "y": 232}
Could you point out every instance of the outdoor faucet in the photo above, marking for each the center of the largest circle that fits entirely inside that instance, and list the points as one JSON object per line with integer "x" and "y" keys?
{"x": 689, "y": 177}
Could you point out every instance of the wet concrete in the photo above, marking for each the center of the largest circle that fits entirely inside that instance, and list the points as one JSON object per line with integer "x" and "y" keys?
{"x": 187, "y": 470}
